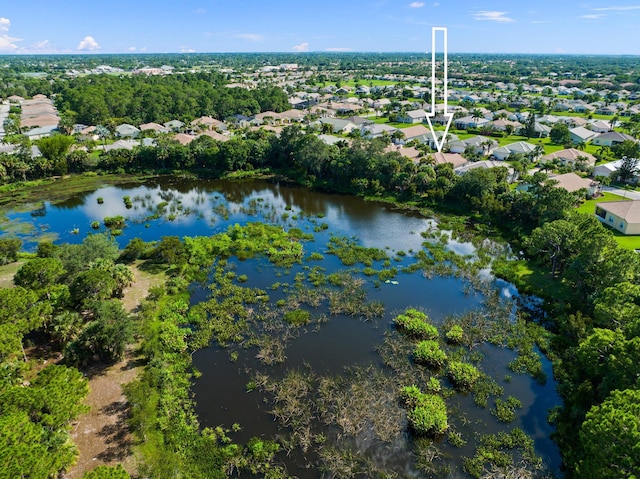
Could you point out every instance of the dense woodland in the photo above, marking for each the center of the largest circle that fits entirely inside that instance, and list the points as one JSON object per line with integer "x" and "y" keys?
{"x": 68, "y": 294}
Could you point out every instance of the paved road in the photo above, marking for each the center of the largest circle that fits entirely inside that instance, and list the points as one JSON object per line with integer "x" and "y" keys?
{"x": 631, "y": 194}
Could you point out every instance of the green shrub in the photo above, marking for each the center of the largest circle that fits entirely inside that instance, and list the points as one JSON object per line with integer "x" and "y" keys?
{"x": 416, "y": 324}
{"x": 427, "y": 413}
{"x": 114, "y": 222}
{"x": 428, "y": 352}
{"x": 100, "y": 200}
{"x": 433, "y": 385}
{"x": 9, "y": 248}
{"x": 297, "y": 317}
{"x": 95, "y": 225}
{"x": 505, "y": 411}
{"x": 455, "y": 335}
{"x": 462, "y": 375}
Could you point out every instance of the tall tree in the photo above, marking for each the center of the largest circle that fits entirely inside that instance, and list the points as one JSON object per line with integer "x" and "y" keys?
{"x": 610, "y": 438}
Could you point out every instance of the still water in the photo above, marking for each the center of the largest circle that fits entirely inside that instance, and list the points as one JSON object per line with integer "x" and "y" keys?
{"x": 171, "y": 206}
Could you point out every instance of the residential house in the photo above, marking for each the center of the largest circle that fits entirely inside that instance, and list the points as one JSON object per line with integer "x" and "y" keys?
{"x": 481, "y": 144}
{"x": 183, "y": 138}
{"x": 484, "y": 164}
{"x": 419, "y": 133}
{"x": 174, "y": 125}
{"x": 411, "y": 153}
{"x": 504, "y": 125}
{"x": 360, "y": 121}
{"x": 412, "y": 116}
{"x": 209, "y": 123}
{"x": 381, "y": 103}
{"x": 338, "y": 125}
{"x": 215, "y": 135}
{"x": 549, "y": 119}
{"x": 454, "y": 159}
{"x": 376, "y": 130}
{"x": 520, "y": 147}
{"x": 292, "y": 115}
{"x": 580, "y": 134}
{"x": 610, "y": 170}
{"x": 439, "y": 134}
{"x": 571, "y": 157}
{"x": 120, "y": 145}
{"x": 469, "y": 122}
{"x": 600, "y": 126}
{"x": 330, "y": 139}
{"x": 40, "y": 132}
{"x": 153, "y": 127}
{"x": 612, "y": 138}
{"x": 607, "y": 110}
{"x": 572, "y": 183}
{"x": 127, "y": 131}
{"x": 624, "y": 216}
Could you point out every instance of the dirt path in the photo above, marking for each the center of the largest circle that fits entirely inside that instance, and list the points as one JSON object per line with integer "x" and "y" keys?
{"x": 7, "y": 273}
{"x": 102, "y": 435}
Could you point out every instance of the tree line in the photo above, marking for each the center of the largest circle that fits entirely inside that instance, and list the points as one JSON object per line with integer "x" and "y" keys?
{"x": 594, "y": 326}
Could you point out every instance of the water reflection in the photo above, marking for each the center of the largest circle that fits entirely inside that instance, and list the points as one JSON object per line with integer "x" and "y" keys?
{"x": 184, "y": 207}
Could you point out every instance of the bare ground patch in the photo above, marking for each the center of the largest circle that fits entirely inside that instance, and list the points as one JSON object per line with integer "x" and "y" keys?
{"x": 102, "y": 434}
{"x": 7, "y": 272}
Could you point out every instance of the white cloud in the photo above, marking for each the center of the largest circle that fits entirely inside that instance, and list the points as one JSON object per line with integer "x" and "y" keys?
{"x": 416, "y": 4}
{"x": 437, "y": 4}
{"x": 88, "y": 44}
{"x": 43, "y": 45}
{"x": 132, "y": 49}
{"x": 7, "y": 43}
{"x": 187, "y": 50}
{"x": 593, "y": 16}
{"x": 493, "y": 16}
{"x": 339, "y": 49}
{"x": 617, "y": 8}
{"x": 254, "y": 37}
{"x": 303, "y": 47}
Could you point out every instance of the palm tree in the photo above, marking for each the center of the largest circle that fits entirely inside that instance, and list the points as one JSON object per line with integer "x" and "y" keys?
{"x": 612, "y": 123}
{"x": 103, "y": 133}
{"x": 476, "y": 114}
{"x": 581, "y": 145}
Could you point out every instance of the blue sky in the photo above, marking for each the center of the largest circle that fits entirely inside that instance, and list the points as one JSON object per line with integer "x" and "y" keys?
{"x": 492, "y": 26}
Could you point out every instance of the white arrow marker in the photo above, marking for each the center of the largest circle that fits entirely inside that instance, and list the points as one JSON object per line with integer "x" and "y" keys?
{"x": 445, "y": 113}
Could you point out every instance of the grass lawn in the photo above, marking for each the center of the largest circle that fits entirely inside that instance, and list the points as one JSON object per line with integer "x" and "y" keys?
{"x": 531, "y": 278}
{"x": 589, "y": 206}
{"x": 625, "y": 241}
{"x": 383, "y": 120}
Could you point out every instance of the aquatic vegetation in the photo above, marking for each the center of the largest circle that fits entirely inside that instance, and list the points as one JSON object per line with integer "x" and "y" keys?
{"x": 427, "y": 413}
{"x": 114, "y": 221}
{"x": 297, "y": 317}
{"x": 462, "y": 375}
{"x": 351, "y": 253}
{"x": 428, "y": 352}
{"x": 505, "y": 410}
{"x": 416, "y": 324}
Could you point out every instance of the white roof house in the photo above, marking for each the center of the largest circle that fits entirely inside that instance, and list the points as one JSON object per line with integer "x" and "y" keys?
{"x": 521, "y": 147}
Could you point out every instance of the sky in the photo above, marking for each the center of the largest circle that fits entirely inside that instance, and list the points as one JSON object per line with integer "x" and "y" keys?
{"x": 169, "y": 26}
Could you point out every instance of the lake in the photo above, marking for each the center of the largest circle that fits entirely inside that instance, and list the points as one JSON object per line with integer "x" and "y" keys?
{"x": 331, "y": 347}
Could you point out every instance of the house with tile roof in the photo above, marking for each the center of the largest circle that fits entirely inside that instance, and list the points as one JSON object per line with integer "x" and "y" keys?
{"x": 612, "y": 138}
{"x": 623, "y": 216}
{"x": 570, "y": 156}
